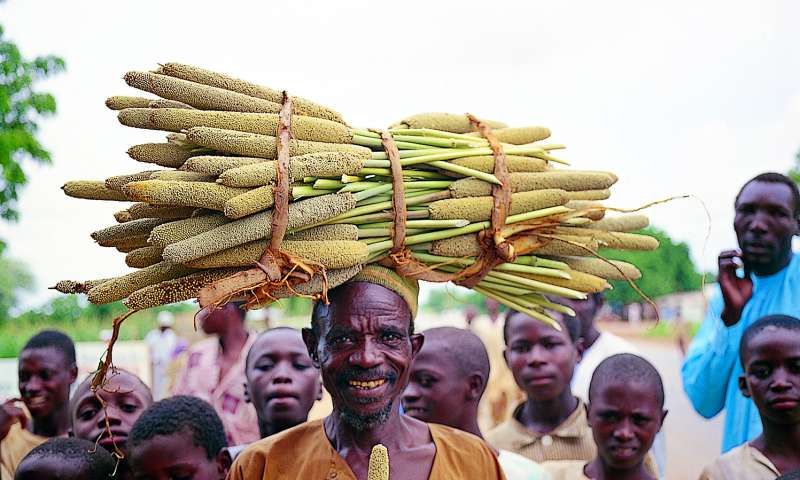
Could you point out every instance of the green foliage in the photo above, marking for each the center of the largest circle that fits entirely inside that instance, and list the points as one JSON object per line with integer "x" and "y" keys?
{"x": 667, "y": 270}
{"x": 79, "y": 319}
{"x": 794, "y": 173}
{"x": 21, "y": 107}
{"x": 14, "y": 279}
{"x": 442, "y": 299}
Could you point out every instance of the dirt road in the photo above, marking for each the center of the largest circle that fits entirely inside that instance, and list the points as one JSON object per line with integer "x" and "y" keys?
{"x": 692, "y": 441}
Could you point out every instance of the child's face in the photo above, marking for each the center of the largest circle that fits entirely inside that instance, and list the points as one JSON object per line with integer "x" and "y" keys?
{"x": 625, "y": 418}
{"x": 51, "y": 468}
{"x": 772, "y": 374}
{"x": 125, "y": 399}
{"x": 176, "y": 457}
{"x": 541, "y": 358}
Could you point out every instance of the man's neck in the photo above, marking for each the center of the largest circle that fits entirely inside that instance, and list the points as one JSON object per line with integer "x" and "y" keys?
{"x": 779, "y": 441}
{"x": 53, "y": 425}
{"x": 765, "y": 270}
{"x": 233, "y": 340}
{"x": 469, "y": 421}
{"x": 598, "y": 470}
{"x": 546, "y": 416}
{"x": 590, "y": 336}
{"x": 392, "y": 433}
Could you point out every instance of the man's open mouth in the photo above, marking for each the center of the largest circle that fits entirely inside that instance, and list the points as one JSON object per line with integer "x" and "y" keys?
{"x": 366, "y": 385}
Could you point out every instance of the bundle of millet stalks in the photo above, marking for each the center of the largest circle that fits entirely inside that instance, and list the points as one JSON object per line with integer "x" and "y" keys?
{"x": 203, "y": 209}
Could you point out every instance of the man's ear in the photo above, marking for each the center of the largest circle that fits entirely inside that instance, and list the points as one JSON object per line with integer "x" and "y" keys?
{"x": 311, "y": 341}
{"x": 224, "y": 462}
{"x": 319, "y": 388}
{"x": 663, "y": 417}
{"x": 475, "y": 386}
{"x": 580, "y": 348}
{"x": 743, "y": 387}
{"x": 73, "y": 373}
{"x": 417, "y": 340}
{"x": 247, "y": 394}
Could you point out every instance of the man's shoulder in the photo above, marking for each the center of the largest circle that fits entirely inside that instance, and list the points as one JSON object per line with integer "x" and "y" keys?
{"x": 463, "y": 453}
{"x": 295, "y": 439}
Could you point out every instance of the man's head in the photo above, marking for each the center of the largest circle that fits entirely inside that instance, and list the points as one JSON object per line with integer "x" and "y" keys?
{"x": 585, "y": 310}
{"x": 770, "y": 355}
{"x": 364, "y": 343}
{"x": 448, "y": 378}
{"x": 625, "y": 410}
{"x": 65, "y": 459}
{"x": 219, "y": 320}
{"x": 46, "y": 370}
{"x": 541, "y": 358}
{"x": 282, "y": 382}
{"x": 766, "y": 218}
{"x": 109, "y": 418}
{"x": 179, "y": 437}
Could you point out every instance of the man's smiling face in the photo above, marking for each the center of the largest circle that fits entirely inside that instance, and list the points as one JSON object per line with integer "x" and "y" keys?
{"x": 364, "y": 348}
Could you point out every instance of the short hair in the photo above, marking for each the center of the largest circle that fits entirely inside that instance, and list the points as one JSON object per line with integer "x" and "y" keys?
{"x": 109, "y": 375}
{"x": 97, "y": 462}
{"x": 773, "y": 177}
{"x": 571, "y": 324}
{"x": 53, "y": 339}
{"x": 264, "y": 334}
{"x": 178, "y": 414}
{"x": 783, "y": 322}
{"x": 627, "y": 367}
{"x": 462, "y": 347}
{"x": 321, "y": 310}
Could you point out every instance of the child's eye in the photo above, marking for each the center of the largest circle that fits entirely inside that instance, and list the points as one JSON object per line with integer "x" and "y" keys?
{"x": 130, "y": 408}
{"x": 87, "y": 414}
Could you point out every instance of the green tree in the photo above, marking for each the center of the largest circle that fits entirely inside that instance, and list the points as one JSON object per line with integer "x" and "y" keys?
{"x": 14, "y": 279}
{"x": 21, "y": 108}
{"x": 667, "y": 270}
{"x": 794, "y": 172}
{"x": 448, "y": 298}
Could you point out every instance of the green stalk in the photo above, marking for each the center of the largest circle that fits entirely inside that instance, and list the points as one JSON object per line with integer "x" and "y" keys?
{"x": 406, "y": 173}
{"x": 541, "y": 286}
{"x": 534, "y": 261}
{"x": 307, "y": 191}
{"x": 375, "y": 217}
{"x": 328, "y": 184}
{"x": 474, "y": 227}
{"x": 424, "y": 184}
{"x": 511, "y": 302}
{"x": 430, "y": 224}
{"x": 382, "y": 232}
{"x": 424, "y": 156}
{"x": 351, "y": 178}
{"x": 544, "y": 302}
{"x": 372, "y": 192}
{"x": 436, "y": 142}
{"x": 429, "y": 132}
{"x": 422, "y": 199}
{"x": 467, "y": 172}
{"x": 377, "y": 143}
{"x": 503, "y": 267}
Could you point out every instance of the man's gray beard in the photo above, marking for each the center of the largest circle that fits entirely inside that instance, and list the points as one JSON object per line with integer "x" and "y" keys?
{"x": 363, "y": 422}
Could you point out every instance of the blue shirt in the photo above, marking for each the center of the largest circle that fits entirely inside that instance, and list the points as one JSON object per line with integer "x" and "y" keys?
{"x": 712, "y": 367}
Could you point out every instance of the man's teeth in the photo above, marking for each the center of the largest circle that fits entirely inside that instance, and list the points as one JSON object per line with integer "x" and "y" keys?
{"x": 367, "y": 385}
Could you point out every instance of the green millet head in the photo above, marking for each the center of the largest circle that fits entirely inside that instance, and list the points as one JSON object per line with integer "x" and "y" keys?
{"x": 323, "y": 164}
{"x": 216, "y": 164}
{"x": 120, "y": 102}
{"x": 93, "y": 190}
{"x": 120, "y": 287}
{"x": 447, "y": 122}
{"x": 128, "y": 229}
{"x": 622, "y": 223}
{"x": 144, "y": 257}
{"x": 478, "y": 209}
{"x": 514, "y": 163}
{"x": 145, "y": 210}
{"x": 252, "y": 201}
{"x": 178, "y": 230}
{"x": 608, "y": 269}
{"x": 331, "y": 253}
{"x": 118, "y": 181}
{"x": 518, "y": 135}
{"x": 569, "y": 180}
{"x": 175, "y": 290}
{"x": 164, "y": 154}
{"x": 178, "y": 193}
{"x": 180, "y": 175}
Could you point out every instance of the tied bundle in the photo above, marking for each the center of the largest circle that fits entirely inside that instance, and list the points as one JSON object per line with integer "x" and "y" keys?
{"x": 423, "y": 197}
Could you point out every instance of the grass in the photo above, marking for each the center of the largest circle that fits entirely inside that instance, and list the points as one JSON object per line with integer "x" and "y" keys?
{"x": 664, "y": 330}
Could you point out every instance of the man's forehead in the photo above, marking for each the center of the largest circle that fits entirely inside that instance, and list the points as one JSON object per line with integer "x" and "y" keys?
{"x": 766, "y": 192}
{"x": 361, "y": 304}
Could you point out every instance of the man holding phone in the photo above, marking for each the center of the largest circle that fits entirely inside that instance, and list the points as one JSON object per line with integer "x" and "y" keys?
{"x": 760, "y": 279}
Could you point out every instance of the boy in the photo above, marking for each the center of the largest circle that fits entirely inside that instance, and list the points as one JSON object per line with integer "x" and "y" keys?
{"x": 282, "y": 382}
{"x": 551, "y": 423}
{"x": 770, "y": 355}
{"x": 66, "y": 459}
{"x": 46, "y": 369}
{"x": 108, "y": 419}
{"x": 179, "y": 437}
{"x": 625, "y": 412}
{"x": 448, "y": 379}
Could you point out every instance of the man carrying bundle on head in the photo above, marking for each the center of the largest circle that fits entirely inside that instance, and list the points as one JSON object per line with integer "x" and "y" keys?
{"x": 364, "y": 343}
{"x": 767, "y": 210}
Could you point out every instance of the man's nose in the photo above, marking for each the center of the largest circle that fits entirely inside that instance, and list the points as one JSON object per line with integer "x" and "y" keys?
{"x": 367, "y": 356}
{"x": 110, "y": 414}
{"x": 411, "y": 394}
{"x": 781, "y": 381}
{"x": 538, "y": 356}
{"x": 624, "y": 431}
{"x": 282, "y": 374}
{"x": 760, "y": 222}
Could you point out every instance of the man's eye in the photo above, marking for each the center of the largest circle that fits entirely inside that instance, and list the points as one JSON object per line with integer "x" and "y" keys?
{"x": 761, "y": 372}
{"x": 87, "y": 414}
{"x": 520, "y": 348}
{"x": 640, "y": 421}
{"x": 130, "y": 408}
{"x": 427, "y": 382}
{"x": 390, "y": 337}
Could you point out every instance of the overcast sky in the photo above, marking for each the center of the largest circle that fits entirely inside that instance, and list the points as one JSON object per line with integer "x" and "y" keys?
{"x": 679, "y": 97}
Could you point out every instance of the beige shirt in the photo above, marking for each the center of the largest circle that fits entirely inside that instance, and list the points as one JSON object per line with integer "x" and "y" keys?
{"x": 304, "y": 452}
{"x": 13, "y": 449}
{"x": 573, "y": 469}
{"x": 572, "y": 440}
{"x": 742, "y": 462}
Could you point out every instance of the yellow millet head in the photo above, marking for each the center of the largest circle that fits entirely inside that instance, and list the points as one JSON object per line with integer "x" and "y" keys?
{"x": 336, "y": 277}
{"x": 339, "y": 231}
{"x": 120, "y": 102}
{"x": 120, "y": 287}
{"x": 175, "y": 290}
{"x": 216, "y": 164}
{"x": 323, "y": 164}
{"x": 164, "y": 154}
{"x": 252, "y": 201}
{"x": 461, "y": 246}
{"x": 447, "y": 122}
{"x": 478, "y": 209}
{"x": 608, "y": 269}
{"x": 589, "y": 195}
{"x": 198, "y": 96}
{"x": 145, "y": 210}
{"x": 264, "y": 146}
{"x": 92, "y": 190}
{"x": 179, "y": 193}
{"x": 514, "y": 163}
{"x": 179, "y": 119}
{"x": 144, "y": 257}
{"x": 331, "y": 253}
{"x": 178, "y": 230}
{"x": 582, "y": 282}
{"x": 378, "y": 463}
{"x": 118, "y": 181}
{"x": 164, "y": 103}
{"x": 519, "y": 135}
{"x": 180, "y": 175}
{"x": 622, "y": 223}
{"x": 615, "y": 240}
{"x": 221, "y": 80}
{"x": 569, "y": 180}
{"x": 120, "y": 231}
